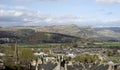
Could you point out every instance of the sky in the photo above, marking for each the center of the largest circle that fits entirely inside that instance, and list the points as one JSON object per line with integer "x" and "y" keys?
{"x": 98, "y": 13}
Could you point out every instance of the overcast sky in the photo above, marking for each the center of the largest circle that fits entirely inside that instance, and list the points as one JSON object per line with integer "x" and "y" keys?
{"x": 52, "y": 12}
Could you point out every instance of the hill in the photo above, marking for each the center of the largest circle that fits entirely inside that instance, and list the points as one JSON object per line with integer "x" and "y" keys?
{"x": 30, "y": 36}
{"x": 86, "y": 32}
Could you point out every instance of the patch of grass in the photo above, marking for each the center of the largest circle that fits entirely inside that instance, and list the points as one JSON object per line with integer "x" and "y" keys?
{"x": 116, "y": 60}
{"x": 39, "y": 45}
{"x": 107, "y": 44}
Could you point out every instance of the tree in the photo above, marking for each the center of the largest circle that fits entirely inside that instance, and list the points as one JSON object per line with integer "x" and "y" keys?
{"x": 9, "y": 59}
{"x": 87, "y": 58}
{"x": 25, "y": 56}
{"x": 108, "y": 52}
{"x": 9, "y": 54}
{"x": 75, "y": 45}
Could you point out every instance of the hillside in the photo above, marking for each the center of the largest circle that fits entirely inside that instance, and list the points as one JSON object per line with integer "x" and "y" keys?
{"x": 108, "y": 33}
{"x": 86, "y": 32}
{"x": 94, "y": 33}
{"x": 30, "y": 36}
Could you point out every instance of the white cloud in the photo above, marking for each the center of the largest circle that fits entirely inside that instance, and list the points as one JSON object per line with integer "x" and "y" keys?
{"x": 2, "y": 6}
{"x": 18, "y": 7}
{"x": 49, "y": 20}
{"x": 108, "y": 1}
{"x": 38, "y": 0}
{"x": 18, "y": 13}
{"x": 13, "y": 7}
{"x": 10, "y": 13}
{"x": 111, "y": 20}
{"x": 15, "y": 17}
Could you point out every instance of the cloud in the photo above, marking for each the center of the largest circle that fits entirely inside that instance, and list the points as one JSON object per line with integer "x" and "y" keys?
{"x": 37, "y": 0}
{"x": 108, "y": 1}
{"x": 10, "y": 17}
{"x": 27, "y": 18}
{"x": 109, "y": 13}
{"x": 2, "y": 6}
{"x": 13, "y": 7}
{"x": 19, "y": 7}
{"x": 10, "y": 13}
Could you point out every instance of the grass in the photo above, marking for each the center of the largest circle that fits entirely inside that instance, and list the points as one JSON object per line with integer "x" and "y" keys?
{"x": 107, "y": 44}
{"x": 54, "y": 45}
{"x": 51, "y": 45}
{"x": 115, "y": 60}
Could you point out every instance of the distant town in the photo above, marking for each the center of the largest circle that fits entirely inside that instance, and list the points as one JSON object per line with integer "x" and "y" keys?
{"x": 14, "y": 57}
{"x": 32, "y": 48}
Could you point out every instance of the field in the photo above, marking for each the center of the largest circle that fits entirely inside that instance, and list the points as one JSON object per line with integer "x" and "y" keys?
{"x": 107, "y": 44}
{"x": 54, "y": 45}
{"x": 48, "y": 45}
{"x": 57, "y": 45}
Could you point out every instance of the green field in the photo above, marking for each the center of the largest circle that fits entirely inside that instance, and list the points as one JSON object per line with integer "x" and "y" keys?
{"x": 54, "y": 45}
{"x": 57, "y": 45}
{"x": 39, "y": 45}
{"x": 107, "y": 44}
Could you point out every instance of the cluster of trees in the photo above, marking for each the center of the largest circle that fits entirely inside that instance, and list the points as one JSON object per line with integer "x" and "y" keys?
{"x": 112, "y": 52}
{"x": 17, "y": 60}
{"x": 87, "y": 58}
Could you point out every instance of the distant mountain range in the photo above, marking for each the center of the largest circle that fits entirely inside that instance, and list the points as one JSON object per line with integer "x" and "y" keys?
{"x": 72, "y": 31}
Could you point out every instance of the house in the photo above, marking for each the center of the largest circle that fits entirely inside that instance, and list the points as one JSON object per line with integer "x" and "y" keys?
{"x": 1, "y": 61}
{"x": 2, "y": 55}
